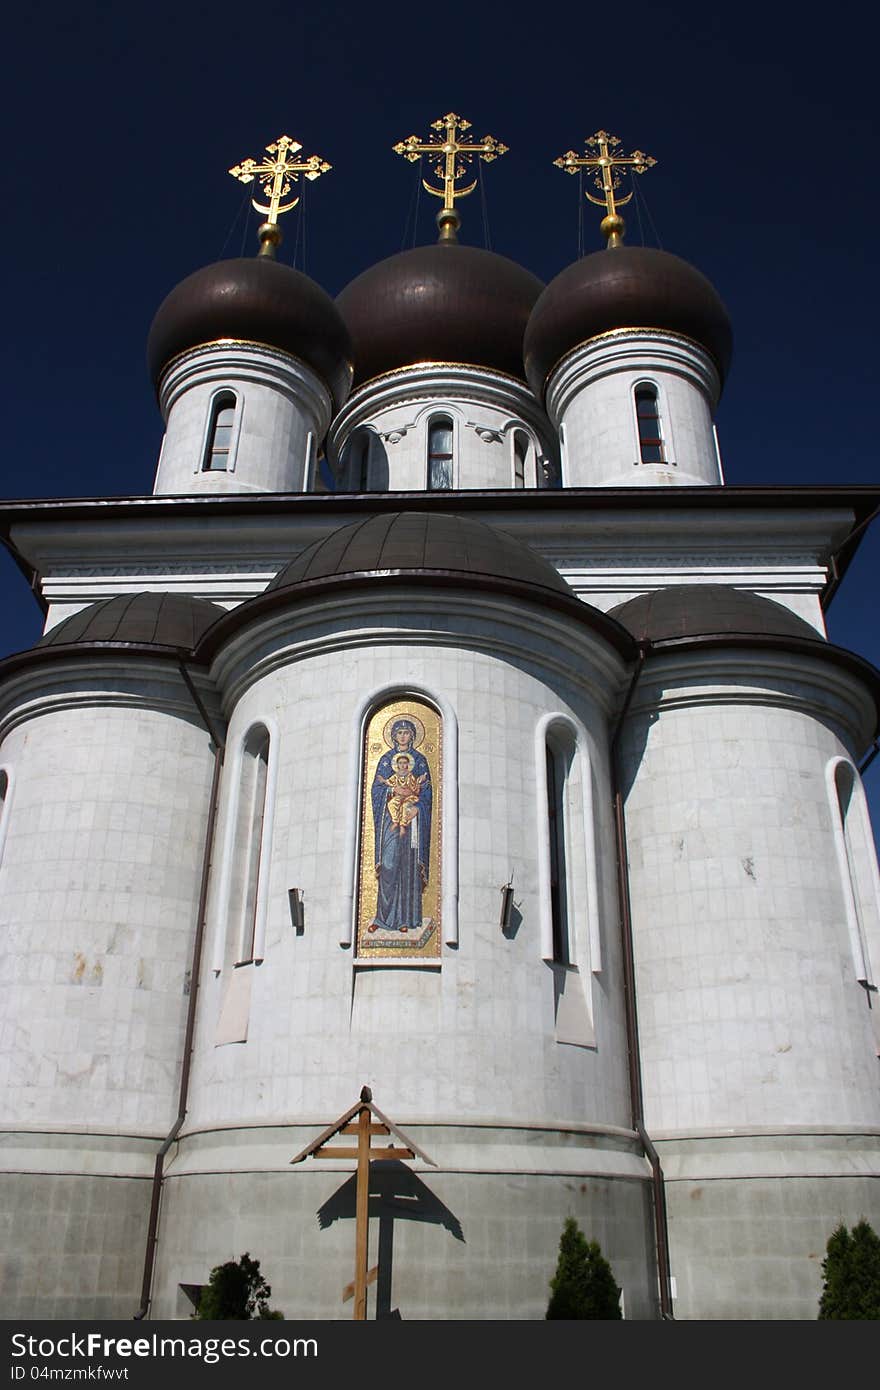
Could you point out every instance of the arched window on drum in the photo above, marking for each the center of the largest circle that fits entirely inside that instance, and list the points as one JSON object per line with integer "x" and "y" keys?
{"x": 441, "y": 434}
{"x": 218, "y": 449}
{"x": 650, "y": 429}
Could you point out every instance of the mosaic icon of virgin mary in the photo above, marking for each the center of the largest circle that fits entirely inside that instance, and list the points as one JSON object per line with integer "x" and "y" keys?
{"x": 402, "y": 801}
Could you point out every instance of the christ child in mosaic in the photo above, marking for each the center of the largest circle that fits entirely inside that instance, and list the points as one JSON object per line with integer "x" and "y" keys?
{"x": 405, "y": 787}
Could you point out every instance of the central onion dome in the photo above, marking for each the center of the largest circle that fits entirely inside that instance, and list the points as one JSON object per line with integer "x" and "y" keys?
{"x": 441, "y": 303}
{"x": 623, "y": 287}
{"x": 257, "y": 300}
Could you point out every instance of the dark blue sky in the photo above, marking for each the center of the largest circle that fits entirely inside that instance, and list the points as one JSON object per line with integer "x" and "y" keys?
{"x": 121, "y": 123}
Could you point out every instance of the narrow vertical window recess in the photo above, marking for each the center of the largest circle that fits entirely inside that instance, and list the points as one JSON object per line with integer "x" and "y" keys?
{"x": 362, "y": 463}
{"x": 219, "y": 446}
{"x": 249, "y": 840}
{"x": 861, "y": 887}
{"x": 651, "y": 448}
{"x": 556, "y": 771}
{"x": 566, "y": 871}
{"x": 440, "y": 454}
{"x": 520, "y": 453}
{"x": 4, "y": 798}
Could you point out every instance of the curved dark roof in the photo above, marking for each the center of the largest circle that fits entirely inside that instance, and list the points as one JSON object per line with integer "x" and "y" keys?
{"x": 260, "y": 300}
{"x": 421, "y": 542}
{"x": 441, "y": 303}
{"x": 624, "y": 287}
{"x": 155, "y": 620}
{"x": 702, "y": 610}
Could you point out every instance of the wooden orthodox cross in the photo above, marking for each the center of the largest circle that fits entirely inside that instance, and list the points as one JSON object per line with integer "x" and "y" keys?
{"x": 451, "y": 159}
{"x": 277, "y": 177}
{"x": 606, "y": 162}
{"x": 363, "y": 1120}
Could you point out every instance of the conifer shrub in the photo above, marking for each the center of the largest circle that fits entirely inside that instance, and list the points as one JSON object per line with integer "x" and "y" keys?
{"x": 851, "y": 1271}
{"x": 583, "y": 1285}
{"x": 237, "y": 1290}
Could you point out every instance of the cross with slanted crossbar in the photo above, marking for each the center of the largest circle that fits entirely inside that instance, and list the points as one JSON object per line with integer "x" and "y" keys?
{"x": 451, "y": 161}
{"x": 364, "y": 1120}
{"x": 277, "y": 177}
{"x": 607, "y": 162}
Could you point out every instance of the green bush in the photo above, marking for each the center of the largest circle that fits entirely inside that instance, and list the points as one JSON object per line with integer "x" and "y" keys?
{"x": 236, "y": 1290}
{"x": 851, "y": 1270}
{"x": 583, "y": 1285}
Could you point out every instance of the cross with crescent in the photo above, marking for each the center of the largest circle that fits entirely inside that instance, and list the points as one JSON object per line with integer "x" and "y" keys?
{"x": 607, "y": 163}
{"x": 451, "y": 159}
{"x": 277, "y": 177}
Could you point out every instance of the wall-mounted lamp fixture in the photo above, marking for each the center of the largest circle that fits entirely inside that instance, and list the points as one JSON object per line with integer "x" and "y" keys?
{"x": 297, "y": 912}
{"x": 506, "y": 904}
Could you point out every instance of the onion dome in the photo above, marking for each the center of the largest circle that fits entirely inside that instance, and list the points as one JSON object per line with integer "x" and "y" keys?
{"x": 151, "y": 620}
{"x": 704, "y": 610}
{"x": 425, "y": 544}
{"x": 441, "y": 303}
{"x": 258, "y": 300}
{"x": 624, "y": 287}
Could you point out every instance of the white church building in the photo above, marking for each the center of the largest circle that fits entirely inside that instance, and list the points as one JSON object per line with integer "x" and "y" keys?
{"x": 442, "y": 723}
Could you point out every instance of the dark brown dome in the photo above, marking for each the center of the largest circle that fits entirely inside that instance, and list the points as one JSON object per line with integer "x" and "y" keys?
{"x": 442, "y": 303}
{"x": 261, "y": 301}
{"x": 624, "y": 287}
{"x": 154, "y": 620}
{"x": 708, "y": 610}
{"x": 421, "y": 542}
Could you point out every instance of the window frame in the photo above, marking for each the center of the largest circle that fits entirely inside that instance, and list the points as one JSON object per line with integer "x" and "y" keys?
{"x": 661, "y": 438}
{"x": 220, "y": 400}
{"x": 445, "y": 418}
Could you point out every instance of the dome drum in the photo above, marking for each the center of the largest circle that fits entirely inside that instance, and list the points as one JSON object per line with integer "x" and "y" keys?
{"x": 595, "y": 397}
{"x": 280, "y": 411}
{"x": 500, "y": 438}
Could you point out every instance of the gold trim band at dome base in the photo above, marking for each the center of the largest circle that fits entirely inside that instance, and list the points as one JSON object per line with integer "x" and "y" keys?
{"x": 627, "y": 333}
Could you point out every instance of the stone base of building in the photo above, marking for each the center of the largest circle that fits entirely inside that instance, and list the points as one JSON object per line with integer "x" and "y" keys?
{"x": 750, "y": 1216}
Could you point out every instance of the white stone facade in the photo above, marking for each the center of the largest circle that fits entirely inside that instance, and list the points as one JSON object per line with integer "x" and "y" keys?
{"x": 713, "y": 821}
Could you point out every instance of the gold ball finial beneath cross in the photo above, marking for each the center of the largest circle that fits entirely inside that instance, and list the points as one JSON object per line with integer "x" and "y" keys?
{"x": 451, "y": 161}
{"x": 607, "y": 162}
{"x": 277, "y": 176}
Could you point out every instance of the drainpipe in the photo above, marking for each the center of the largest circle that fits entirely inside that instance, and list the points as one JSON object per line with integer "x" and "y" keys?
{"x": 195, "y": 975}
{"x": 661, "y": 1228}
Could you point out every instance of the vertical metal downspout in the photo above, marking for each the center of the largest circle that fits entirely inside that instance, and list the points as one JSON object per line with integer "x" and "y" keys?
{"x": 195, "y": 974}
{"x": 629, "y": 990}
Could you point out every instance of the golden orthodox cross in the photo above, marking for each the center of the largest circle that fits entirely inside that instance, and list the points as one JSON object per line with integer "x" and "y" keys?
{"x": 277, "y": 176}
{"x": 451, "y": 159}
{"x": 607, "y": 162}
{"x": 363, "y": 1120}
